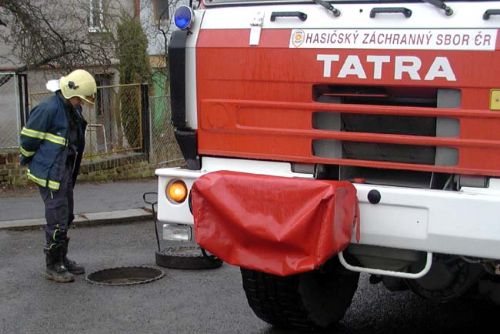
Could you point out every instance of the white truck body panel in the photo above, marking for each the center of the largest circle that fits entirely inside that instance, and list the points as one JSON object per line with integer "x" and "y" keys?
{"x": 463, "y": 223}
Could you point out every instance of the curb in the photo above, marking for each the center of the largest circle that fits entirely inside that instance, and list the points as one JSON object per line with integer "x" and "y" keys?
{"x": 84, "y": 219}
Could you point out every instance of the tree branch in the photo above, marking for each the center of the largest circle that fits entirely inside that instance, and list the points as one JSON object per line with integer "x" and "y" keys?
{"x": 50, "y": 33}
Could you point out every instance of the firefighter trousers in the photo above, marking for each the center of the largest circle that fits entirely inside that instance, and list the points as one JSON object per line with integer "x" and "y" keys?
{"x": 58, "y": 210}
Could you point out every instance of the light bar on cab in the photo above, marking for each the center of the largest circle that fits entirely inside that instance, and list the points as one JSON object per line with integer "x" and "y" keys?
{"x": 184, "y": 18}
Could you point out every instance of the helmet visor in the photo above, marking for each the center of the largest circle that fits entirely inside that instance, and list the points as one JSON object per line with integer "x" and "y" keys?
{"x": 89, "y": 99}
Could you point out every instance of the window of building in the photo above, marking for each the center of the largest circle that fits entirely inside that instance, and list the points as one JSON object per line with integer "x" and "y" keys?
{"x": 161, "y": 10}
{"x": 96, "y": 15}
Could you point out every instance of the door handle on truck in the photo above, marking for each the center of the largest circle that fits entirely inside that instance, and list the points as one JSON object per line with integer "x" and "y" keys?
{"x": 389, "y": 10}
{"x": 300, "y": 15}
{"x": 490, "y": 12}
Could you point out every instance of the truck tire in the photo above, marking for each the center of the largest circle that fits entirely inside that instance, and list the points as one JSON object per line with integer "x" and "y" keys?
{"x": 309, "y": 301}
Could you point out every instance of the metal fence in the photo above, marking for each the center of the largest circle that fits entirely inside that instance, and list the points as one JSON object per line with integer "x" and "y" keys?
{"x": 124, "y": 120}
{"x": 115, "y": 122}
{"x": 164, "y": 149}
{"x": 10, "y": 121}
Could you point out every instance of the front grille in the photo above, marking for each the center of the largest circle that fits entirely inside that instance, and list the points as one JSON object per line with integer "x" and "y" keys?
{"x": 389, "y": 124}
{"x": 385, "y": 148}
{"x": 377, "y": 95}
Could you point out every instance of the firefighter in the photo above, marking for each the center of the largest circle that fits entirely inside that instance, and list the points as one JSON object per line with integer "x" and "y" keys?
{"x": 52, "y": 144}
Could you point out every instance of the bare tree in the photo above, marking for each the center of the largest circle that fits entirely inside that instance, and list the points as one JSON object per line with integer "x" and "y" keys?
{"x": 56, "y": 33}
{"x": 165, "y": 27}
{"x": 158, "y": 26}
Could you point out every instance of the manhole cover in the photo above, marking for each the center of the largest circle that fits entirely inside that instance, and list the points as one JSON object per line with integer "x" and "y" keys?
{"x": 125, "y": 276}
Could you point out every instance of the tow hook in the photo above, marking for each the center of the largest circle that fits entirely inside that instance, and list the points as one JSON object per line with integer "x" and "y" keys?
{"x": 492, "y": 267}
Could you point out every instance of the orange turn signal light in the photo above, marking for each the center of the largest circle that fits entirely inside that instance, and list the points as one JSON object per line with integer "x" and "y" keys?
{"x": 176, "y": 191}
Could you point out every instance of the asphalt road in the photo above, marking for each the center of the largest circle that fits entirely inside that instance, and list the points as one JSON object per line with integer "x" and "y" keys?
{"x": 209, "y": 301}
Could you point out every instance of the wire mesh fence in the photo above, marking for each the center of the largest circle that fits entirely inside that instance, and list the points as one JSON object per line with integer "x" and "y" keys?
{"x": 164, "y": 148}
{"x": 9, "y": 111}
{"x": 114, "y": 122}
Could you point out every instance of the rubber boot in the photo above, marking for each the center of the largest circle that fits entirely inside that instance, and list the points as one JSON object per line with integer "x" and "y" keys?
{"x": 72, "y": 266}
{"x": 55, "y": 270}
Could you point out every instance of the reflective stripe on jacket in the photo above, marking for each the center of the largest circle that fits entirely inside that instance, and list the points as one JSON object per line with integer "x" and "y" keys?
{"x": 44, "y": 141}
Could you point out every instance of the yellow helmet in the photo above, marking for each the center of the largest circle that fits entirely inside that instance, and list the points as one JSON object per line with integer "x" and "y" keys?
{"x": 79, "y": 83}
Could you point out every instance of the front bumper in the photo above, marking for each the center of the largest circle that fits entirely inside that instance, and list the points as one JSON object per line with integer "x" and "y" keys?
{"x": 463, "y": 223}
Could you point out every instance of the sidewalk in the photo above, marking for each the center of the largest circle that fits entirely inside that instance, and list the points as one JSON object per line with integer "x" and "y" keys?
{"x": 95, "y": 203}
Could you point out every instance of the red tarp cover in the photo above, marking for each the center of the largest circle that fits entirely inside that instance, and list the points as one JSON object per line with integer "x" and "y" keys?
{"x": 277, "y": 225}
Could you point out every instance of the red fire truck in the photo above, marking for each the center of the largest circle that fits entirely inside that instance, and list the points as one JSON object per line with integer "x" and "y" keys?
{"x": 327, "y": 138}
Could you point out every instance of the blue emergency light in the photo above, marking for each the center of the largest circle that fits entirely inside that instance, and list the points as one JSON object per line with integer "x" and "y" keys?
{"x": 183, "y": 17}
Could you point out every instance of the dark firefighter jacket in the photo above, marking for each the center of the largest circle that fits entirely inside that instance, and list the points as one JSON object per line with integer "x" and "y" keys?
{"x": 45, "y": 138}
